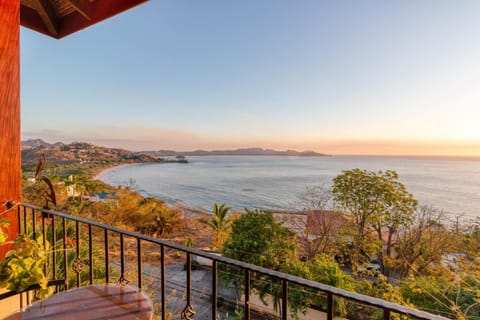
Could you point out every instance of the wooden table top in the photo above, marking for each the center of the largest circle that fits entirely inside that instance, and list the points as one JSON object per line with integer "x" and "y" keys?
{"x": 105, "y": 301}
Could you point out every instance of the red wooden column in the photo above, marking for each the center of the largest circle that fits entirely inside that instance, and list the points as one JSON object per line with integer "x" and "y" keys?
{"x": 10, "y": 165}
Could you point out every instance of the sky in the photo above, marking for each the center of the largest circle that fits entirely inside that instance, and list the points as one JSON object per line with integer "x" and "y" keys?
{"x": 340, "y": 77}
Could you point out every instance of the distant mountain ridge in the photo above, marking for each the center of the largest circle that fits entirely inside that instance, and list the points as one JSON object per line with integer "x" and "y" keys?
{"x": 34, "y": 143}
{"x": 89, "y": 153}
{"x": 236, "y": 152}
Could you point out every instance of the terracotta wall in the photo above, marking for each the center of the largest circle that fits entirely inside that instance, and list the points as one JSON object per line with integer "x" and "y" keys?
{"x": 10, "y": 166}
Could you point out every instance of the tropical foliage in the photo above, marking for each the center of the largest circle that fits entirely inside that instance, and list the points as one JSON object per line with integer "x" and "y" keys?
{"x": 23, "y": 266}
{"x": 219, "y": 223}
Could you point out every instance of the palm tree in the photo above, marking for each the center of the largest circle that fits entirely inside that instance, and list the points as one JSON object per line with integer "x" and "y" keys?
{"x": 219, "y": 223}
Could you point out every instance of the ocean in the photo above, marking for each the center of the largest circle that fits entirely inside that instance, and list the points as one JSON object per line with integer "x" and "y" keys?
{"x": 274, "y": 182}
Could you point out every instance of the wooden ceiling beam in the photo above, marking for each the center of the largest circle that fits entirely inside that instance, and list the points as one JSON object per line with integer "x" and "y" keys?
{"x": 41, "y": 16}
{"x": 100, "y": 10}
{"x": 47, "y": 13}
{"x": 32, "y": 4}
{"x": 84, "y": 7}
{"x": 32, "y": 20}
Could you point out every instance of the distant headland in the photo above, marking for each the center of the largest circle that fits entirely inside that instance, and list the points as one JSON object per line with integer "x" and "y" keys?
{"x": 236, "y": 152}
{"x": 29, "y": 146}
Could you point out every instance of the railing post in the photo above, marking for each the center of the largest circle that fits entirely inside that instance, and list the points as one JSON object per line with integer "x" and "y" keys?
{"x": 122, "y": 261}
{"x": 25, "y": 231}
{"x": 65, "y": 255}
{"x": 78, "y": 262}
{"x": 44, "y": 241}
{"x": 188, "y": 311}
{"x": 164, "y": 282}
{"x": 214, "y": 289}
{"x": 284, "y": 299}
{"x": 90, "y": 253}
{"x": 246, "y": 307}
{"x": 107, "y": 271}
{"x": 330, "y": 309}
{"x": 34, "y": 229}
{"x": 189, "y": 278}
{"x": 54, "y": 252}
{"x": 139, "y": 263}
{"x": 19, "y": 220}
{"x": 386, "y": 314}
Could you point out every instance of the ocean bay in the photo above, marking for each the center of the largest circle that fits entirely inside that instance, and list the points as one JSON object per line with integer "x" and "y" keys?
{"x": 273, "y": 182}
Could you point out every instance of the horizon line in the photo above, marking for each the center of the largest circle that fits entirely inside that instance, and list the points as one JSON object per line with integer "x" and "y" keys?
{"x": 431, "y": 149}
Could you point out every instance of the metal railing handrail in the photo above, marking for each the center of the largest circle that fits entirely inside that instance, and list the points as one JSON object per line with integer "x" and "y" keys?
{"x": 8, "y": 294}
{"x": 330, "y": 290}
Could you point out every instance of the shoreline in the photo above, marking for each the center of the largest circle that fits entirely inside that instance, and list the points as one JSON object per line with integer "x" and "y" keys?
{"x": 101, "y": 171}
{"x": 183, "y": 208}
{"x": 97, "y": 173}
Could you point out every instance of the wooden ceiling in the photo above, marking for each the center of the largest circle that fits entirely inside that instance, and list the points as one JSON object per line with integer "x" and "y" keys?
{"x": 59, "y": 18}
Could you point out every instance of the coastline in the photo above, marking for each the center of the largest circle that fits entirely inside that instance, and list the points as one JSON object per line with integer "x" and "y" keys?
{"x": 101, "y": 171}
{"x": 185, "y": 210}
{"x": 95, "y": 175}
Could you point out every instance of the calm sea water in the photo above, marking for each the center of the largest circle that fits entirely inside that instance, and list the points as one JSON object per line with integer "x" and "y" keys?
{"x": 273, "y": 182}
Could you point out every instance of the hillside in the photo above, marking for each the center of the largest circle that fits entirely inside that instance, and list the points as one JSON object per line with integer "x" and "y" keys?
{"x": 80, "y": 152}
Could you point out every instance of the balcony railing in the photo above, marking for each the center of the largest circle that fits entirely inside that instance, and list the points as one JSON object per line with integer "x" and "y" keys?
{"x": 84, "y": 252}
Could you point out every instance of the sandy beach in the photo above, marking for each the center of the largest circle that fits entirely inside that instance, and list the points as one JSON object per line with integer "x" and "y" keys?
{"x": 105, "y": 170}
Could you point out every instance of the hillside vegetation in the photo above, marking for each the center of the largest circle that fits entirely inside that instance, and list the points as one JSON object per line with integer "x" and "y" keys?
{"x": 81, "y": 152}
{"x": 366, "y": 219}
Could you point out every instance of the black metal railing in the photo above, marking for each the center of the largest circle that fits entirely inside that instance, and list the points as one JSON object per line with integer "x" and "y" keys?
{"x": 84, "y": 252}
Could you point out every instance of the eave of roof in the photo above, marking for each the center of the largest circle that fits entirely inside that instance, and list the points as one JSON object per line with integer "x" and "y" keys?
{"x": 60, "y": 18}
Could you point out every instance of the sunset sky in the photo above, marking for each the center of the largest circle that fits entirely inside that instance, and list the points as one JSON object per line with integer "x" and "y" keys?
{"x": 340, "y": 77}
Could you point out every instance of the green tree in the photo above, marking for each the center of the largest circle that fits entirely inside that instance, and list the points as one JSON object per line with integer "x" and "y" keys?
{"x": 375, "y": 200}
{"x": 258, "y": 239}
{"x": 220, "y": 224}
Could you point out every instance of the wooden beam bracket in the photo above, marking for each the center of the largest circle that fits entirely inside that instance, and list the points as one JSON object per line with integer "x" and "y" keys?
{"x": 83, "y": 7}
